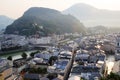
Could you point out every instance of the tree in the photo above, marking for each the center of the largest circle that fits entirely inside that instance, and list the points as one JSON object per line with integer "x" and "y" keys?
{"x": 9, "y": 58}
{"x": 24, "y": 55}
{"x": 37, "y": 51}
{"x": 52, "y": 59}
{"x": 32, "y": 54}
{"x": 111, "y": 76}
{"x": 38, "y": 70}
{"x": 52, "y": 76}
{"x": 81, "y": 63}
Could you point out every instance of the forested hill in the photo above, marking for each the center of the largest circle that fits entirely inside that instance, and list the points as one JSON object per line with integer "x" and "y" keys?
{"x": 44, "y": 21}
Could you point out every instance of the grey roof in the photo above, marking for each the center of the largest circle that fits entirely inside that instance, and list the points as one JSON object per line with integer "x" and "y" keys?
{"x": 32, "y": 76}
{"x": 4, "y": 64}
{"x": 44, "y": 78}
{"x": 93, "y": 59}
{"x": 93, "y": 75}
{"x": 84, "y": 69}
{"x": 19, "y": 62}
{"x": 101, "y": 57}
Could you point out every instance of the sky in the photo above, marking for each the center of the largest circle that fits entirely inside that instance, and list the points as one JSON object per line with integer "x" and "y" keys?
{"x": 16, "y": 8}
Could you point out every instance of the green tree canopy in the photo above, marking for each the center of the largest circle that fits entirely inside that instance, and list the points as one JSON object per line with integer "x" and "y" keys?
{"x": 111, "y": 76}
{"x": 24, "y": 55}
{"x": 52, "y": 59}
{"x": 9, "y": 58}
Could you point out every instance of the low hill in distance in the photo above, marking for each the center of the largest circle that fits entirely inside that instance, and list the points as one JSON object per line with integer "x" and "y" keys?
{"x": 91, "y": 16}
{"x": 5, "y": 21}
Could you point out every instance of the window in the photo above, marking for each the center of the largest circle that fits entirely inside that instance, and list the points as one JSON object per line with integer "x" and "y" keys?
{"x": 118, "y": 51}
{"x": 118, "y": 44}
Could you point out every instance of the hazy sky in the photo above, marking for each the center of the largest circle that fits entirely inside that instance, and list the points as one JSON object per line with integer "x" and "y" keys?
{"x": 16, "y": 8}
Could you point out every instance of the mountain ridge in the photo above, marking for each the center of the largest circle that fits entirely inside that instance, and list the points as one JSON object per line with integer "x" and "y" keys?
{"x": 92, "y": 16}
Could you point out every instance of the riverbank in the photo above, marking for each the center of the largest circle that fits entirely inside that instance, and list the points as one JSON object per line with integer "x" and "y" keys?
{"x": 11, "y": 52}
{"x": 17, "y": 54}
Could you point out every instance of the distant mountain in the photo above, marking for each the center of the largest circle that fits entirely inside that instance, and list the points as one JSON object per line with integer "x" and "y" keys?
{"x": 98, "y": 29}
{"x": 5, "y": 21}
{"x": 92, "y": 16}
{"x": 44, "y": 21}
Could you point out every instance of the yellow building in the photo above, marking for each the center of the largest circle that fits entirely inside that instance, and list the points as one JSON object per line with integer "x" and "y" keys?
{"x": 5, "y": 69}
{"x": 6, "y": 74}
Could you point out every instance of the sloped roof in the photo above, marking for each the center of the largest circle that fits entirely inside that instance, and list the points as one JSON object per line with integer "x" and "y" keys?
{"x": 32, "y": 76}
